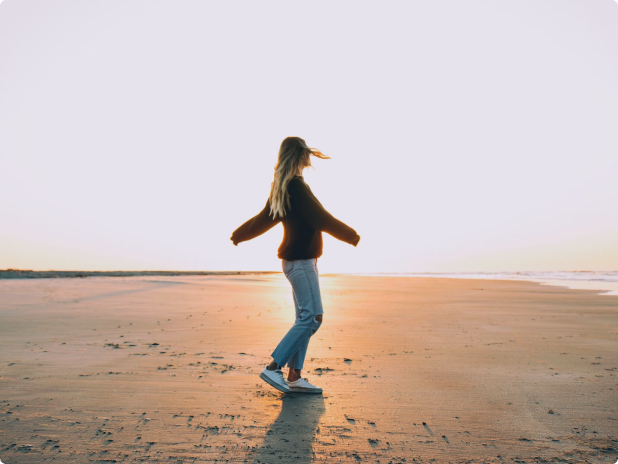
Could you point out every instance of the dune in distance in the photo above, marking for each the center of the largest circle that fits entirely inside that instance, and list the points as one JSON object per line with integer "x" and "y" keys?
{"x": 164, "y": 367}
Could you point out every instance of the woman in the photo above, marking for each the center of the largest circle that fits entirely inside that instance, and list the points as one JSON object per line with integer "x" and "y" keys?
{"x": 304, "y": 219}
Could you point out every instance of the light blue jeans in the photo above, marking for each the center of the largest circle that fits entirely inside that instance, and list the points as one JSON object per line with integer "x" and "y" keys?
{"x": 303, "y": 275}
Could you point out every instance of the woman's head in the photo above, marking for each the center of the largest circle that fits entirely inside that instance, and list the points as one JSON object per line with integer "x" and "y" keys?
{"x": 294, "y": 156}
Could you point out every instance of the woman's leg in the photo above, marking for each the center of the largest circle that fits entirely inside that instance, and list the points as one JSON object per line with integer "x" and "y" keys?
{"x": 298, "y": 358}
{"x": 273, "y": 365}
{"x": 304, "y": 279}
{"x": 291, "y": 361}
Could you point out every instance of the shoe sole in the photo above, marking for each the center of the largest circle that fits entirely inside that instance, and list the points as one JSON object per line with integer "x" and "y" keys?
{"x": 273, "y": 384}
{"x": 305, "y": 390}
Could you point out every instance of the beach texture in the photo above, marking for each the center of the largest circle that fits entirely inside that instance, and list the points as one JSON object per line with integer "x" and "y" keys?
{"x": 166, "y": 369}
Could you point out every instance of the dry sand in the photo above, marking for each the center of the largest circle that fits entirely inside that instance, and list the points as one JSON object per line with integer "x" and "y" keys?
{"x": 165, "y": 369}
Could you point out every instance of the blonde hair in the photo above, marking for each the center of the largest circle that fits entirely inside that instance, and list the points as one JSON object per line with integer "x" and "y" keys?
{"x": 293, "y": 155}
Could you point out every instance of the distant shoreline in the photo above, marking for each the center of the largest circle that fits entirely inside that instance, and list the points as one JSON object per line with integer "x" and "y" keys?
{"x": 605, "y": 282}
{"x": 29, "y": 274}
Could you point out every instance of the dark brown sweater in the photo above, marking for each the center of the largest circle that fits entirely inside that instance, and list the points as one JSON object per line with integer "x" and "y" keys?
{"x": 302, "y": 225}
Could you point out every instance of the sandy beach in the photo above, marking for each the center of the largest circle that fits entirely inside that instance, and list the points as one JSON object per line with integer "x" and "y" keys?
{"x": 165, "y": 369}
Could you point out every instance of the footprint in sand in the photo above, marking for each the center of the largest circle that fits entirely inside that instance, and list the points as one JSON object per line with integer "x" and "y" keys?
{"x": 427, "y": 428}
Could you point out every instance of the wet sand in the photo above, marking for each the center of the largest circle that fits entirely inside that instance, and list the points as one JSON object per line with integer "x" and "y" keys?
{"x": 165, "y": 369}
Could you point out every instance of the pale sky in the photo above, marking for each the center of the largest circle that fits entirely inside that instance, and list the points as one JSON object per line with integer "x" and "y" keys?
{"x": 464, "y": 135}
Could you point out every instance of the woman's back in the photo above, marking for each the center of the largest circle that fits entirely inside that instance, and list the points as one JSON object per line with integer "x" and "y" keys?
{"x": 303, "y": 224}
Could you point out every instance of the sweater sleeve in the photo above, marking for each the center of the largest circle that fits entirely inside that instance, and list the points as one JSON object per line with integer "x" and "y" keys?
{"x": 320, "y": 219}
{"x": 255, "y": 226}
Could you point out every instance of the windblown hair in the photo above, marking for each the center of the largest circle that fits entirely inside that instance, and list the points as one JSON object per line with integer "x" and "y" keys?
{"x": 293, "y": 155}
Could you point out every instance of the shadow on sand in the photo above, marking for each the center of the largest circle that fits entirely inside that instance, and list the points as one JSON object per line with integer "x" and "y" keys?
{"x": 290, "y": 437}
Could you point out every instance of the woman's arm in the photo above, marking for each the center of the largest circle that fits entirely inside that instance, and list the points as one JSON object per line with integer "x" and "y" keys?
{"x": 255, "y": 226}
{"x": 320, "y": 219}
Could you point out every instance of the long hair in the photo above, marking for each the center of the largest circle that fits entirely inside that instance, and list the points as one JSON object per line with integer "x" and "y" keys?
{"x": 294, "y": 154}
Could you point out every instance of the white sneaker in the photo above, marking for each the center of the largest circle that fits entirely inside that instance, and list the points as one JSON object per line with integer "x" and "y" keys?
{"x": 275, "y": 378}
{"x": 302, "y": 386}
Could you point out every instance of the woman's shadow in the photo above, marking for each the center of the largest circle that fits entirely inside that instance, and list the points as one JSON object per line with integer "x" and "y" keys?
{"x": 290, "y": 438}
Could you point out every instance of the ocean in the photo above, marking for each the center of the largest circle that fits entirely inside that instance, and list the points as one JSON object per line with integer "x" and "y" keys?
{"x": 604, "y": 281}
